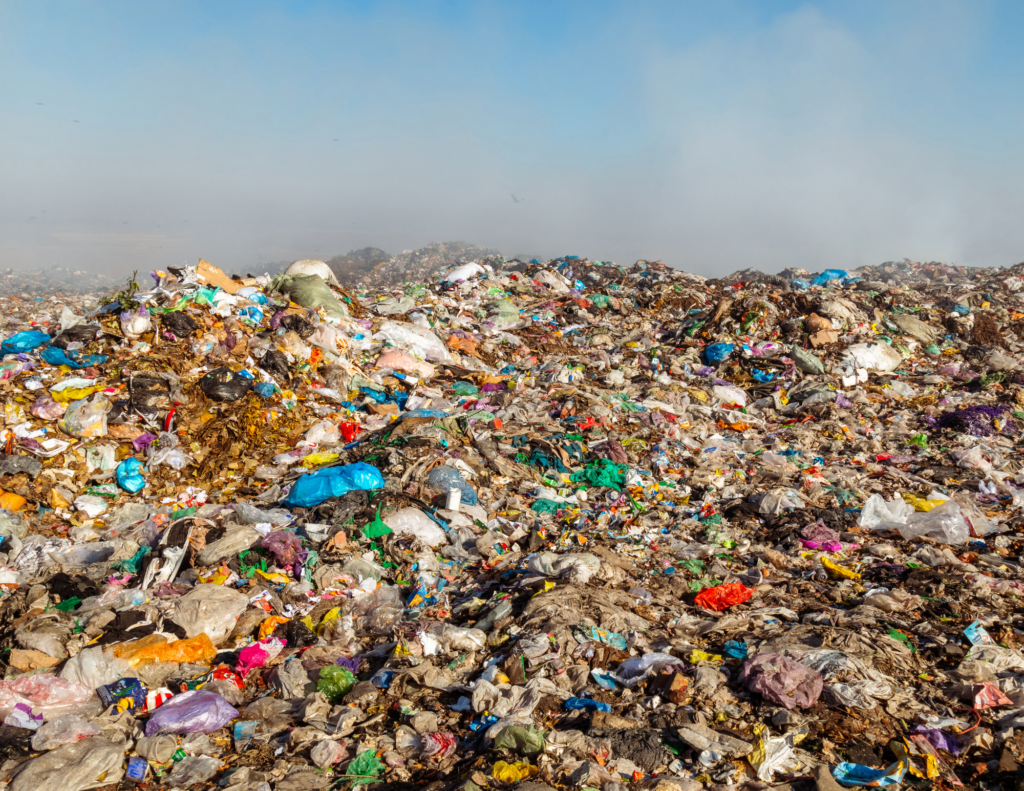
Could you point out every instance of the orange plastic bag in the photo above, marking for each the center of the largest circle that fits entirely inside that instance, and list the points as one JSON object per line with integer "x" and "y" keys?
{"x": 155, "y": 648}
{"x": 10, "y": 501}
{"x": 268, "y": 626}
{"x": 722, "y": 597}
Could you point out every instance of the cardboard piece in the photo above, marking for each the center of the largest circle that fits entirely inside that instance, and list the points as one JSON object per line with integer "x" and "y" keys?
{"x": 823, "y": 337}
{"x": 213, "y": 276}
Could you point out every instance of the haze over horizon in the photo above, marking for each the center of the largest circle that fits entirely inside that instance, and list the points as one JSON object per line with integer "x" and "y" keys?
{"x": 714, "y": 138}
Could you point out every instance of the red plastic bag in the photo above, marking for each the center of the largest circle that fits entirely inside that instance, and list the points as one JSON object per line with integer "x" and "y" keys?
{"x": 723, "y": 596}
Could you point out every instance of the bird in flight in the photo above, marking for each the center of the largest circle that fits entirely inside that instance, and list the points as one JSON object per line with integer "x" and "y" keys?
{"x": 517, "y": 200}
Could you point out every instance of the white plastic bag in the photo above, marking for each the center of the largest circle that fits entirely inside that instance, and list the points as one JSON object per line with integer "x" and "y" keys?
{"x": 413, "y": 522}
{"x": 873, "y": 356}
{"x": 415, "y": 340}
{"x": 212, "y": 609}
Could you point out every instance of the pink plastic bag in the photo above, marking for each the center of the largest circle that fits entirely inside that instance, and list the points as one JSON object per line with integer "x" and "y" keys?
{"x": 782, "y": 680}
{"x": 258, "y": 655}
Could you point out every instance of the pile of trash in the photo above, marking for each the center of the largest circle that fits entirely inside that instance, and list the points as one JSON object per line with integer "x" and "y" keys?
{"x": 535, "y": 525}
{"x": 55, "y": 281}
{"x": 371, "y": 266}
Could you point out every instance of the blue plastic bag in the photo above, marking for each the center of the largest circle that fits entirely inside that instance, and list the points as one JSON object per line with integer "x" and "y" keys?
{"x": 56, "y": 356}
{"x": 445, "y": 478}
{"x": 763, "y": 376}
{"x": 317, "y": 487}
{"x": 800, "y": 285}
{"x": 578, "y": 704}
{"x": 859, "y": 775}
{"x": 716, "y": 352}
{"x": 735, "y": 649}
{"x": 22, "y": 342}
{"x": 129, "y": 475}
{"x": 829, "y": 275}
{"x": 264, "y": 389}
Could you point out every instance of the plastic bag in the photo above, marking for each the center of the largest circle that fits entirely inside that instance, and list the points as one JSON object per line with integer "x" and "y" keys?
{"x": 945, "y": 522}
{"x": 310, "y": 291}
{"x": 210, "y": 610}
{"x": 22, "y": 342}
{"x": 193, "y": 770}
{"x": 521, "y": 739}
{"x": 316, "y": 487}
{"x": 65, "y": 729}
{"x": 308, "y": 266}
{"x": 88, "y": 763}
{"x": 196, "y": 711}
{"x": 179, "y": 324}
{"x": 364, "y": 769}
{"x": 782, "y": 680}
{"x": 413, "y": 522}
{"x": 46, "y": 694}
{"x": 335, "y": 683}
{"x": 93, "y": 668}
{"x": 415, "y": 340}
{"x": 873, "y": 356}
{"x": 722, "y": 597}
{"x": 135, "y": 323}
{"x": 829, "y": 275}
{"x": 72, "y": 359}
{"x": 400, "y": 361}
{"x": 577, "y": 567}
{"x": 223, "y": 384}
{"x": 445, "y": 478}
{"x": 286, "y": 547}
{"x": 86, "y": 418}
{"x": 464, "y": 272}
{"x": 714, "y": 353}
{"x": 234, "y": 541}
{"x": 806, "y": 361}
{"x": 129, "y": 475}
{"x": 45, "y": 408}
{"x": 878, "y": 513}
{"x": 728, "y": 394}
{"x": 328, "y": 753}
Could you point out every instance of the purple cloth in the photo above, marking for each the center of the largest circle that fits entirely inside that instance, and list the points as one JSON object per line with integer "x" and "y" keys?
{"x": 349, "y": 663}
{"x": 820, "y": 532}
{"x": 143, "y": 441}
{"x": 938, "y": 739}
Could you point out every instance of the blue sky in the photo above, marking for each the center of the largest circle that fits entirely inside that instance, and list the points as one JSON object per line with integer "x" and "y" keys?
{"x": 714, "y": 136}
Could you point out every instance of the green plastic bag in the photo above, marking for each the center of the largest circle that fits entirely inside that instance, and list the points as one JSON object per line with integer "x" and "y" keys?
{"x": 310, "y": 291}
{"x": 603, "y": 472}
{"x": 335, "y": 683}
{"x": 521, "y": 739}
{"x": 376, "y": 528}
{"x": 807, "y": 362}
{"x": 364, "y": 768}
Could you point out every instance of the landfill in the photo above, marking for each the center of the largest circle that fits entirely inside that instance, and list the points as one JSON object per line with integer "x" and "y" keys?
{"x": 514, "y": 524}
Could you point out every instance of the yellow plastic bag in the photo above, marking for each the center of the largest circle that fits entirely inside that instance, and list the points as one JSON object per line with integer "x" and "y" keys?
{"x": 513, "y": 773}
{"x": 318, "y": 458}
{"x": 919, "y": 503}
{"x": 838, "y": 572}
{"x": 703, "y": 656}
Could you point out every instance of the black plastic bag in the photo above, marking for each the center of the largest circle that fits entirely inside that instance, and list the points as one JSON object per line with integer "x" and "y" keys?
{"x": 80, "y": 333}
{"x": 179, "y": 323}
{"x": 300, "y": 326}
{"x": 275, "y": 364}
{"x": 223, "y": 384}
